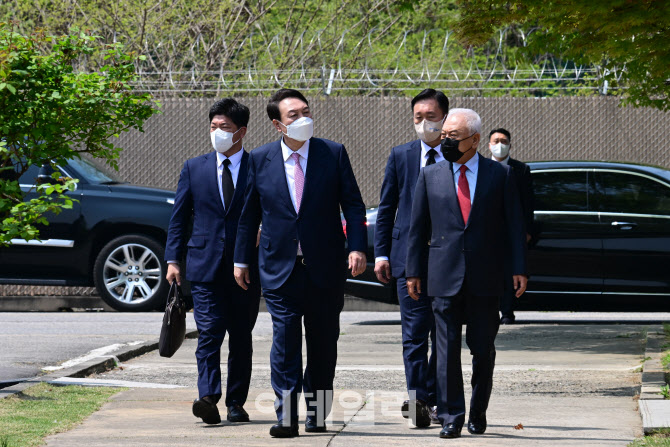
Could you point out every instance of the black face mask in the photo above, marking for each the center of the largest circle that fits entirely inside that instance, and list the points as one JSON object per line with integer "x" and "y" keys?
{"x": 449, "y": 148}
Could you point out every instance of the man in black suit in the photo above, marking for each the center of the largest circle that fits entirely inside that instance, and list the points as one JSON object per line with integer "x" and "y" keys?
{"x": 429, "y": 110}
{"x": 500, "y": 143}
{"x": 467, "y": 208}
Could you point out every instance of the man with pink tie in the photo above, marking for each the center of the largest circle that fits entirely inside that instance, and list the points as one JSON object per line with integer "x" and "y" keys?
{"x": 296, "y": 187}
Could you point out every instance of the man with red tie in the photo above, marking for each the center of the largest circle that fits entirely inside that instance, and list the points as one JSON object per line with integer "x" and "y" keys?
{"x": 296, "y": 187}
{"x": 468, "y": 208}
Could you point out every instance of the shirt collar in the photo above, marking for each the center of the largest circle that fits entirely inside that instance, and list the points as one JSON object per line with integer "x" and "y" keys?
{"x": 502, "y": 162}
{"x": 472, "y": 164}
{"x": 235, "y": 159}
{"x": 287, "y": 151}
{"x": 425, "y": 148}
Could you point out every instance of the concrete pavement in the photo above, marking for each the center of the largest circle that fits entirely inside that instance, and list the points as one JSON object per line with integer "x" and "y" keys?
{"x": 566, "y": 384}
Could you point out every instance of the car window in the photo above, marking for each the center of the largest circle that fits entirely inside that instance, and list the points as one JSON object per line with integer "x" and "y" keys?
{"x": 633, "y": 194}
{"x": 29, "y": 177}
{"x": 94, "y": 173}
{"x": 560, "y": 191}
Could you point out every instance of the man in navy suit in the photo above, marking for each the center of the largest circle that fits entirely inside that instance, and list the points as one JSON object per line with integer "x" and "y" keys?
{"x": 296, "y": 187}
{"x": 500, "y": 143}
{"x": 211, "y": 193}
{"x": 468, "y": 208}
{"x": 430, "y": 108}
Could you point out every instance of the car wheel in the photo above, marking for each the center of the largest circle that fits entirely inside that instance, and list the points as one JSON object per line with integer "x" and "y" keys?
{"x": 129, "y": 274}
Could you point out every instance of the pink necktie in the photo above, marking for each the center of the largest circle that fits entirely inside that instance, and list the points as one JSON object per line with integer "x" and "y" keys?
{"x": 464, "y": 194}
{"x": 298, "y": 179}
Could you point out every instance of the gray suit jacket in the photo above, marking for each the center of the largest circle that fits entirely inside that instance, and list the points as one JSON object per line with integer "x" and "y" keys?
{"x": 472, "y": 253}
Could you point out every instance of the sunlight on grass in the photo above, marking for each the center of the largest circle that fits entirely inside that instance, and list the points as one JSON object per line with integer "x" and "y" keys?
{"x": 28, "y": 417}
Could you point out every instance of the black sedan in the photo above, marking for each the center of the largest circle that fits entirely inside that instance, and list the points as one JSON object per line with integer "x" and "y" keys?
{"x": 603, "y": 228}
{"x": 113, "y": 238}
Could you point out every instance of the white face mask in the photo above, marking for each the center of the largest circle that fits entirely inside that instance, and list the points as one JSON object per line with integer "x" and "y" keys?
{"x": 429, "y": 131}
{"x": 301, "y": 129}
{"x": 222, "y": 140}
{"x": 499, "y": 150}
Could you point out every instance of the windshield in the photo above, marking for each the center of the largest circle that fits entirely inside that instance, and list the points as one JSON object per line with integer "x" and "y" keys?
{"x": 94, "y": 173}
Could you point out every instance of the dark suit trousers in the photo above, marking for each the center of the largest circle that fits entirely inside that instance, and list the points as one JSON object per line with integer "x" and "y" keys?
{"x": 220, "y": 307}
{"x": 299, "y": 297}
{"x": 418, "y": 326}
{"x": 480, "y": 314}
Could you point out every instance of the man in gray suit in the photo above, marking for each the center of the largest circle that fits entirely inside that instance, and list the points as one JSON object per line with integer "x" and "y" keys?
{"x": 467, "y": 208}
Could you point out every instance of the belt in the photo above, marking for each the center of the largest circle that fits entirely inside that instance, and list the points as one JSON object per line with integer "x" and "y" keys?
{"x": 300, "y": 260}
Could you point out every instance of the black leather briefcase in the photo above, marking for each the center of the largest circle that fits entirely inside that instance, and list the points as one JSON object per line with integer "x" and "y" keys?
{"x": 174, "y": 323}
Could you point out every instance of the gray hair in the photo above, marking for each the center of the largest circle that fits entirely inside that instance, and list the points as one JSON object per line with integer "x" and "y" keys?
{"x": 472, "y": 119}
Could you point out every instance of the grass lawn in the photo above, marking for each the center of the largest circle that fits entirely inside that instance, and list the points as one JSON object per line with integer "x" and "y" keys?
{"x": 661, "y": 439}
{"x": 28, "y": 417}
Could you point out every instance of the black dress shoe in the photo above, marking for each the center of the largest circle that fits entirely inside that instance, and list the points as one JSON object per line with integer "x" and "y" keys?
{"x": 451, "y": 431}
{"x": 284, "y": 431}
{"x": 477, "y": 425}
{"x": 508, "y": 319}
{"x": 311, "y": 426}
{"x": 237, "y": 414}
{"x": 433, "y": 416}
{"x": 419, "y": 412}
{"x": 404, "y": 409}
{"x": 206, "y": 410}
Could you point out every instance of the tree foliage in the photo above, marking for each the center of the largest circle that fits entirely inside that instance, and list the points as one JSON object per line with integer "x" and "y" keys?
{"x": 50, "y": 111}
{"x": 622, "y": 36}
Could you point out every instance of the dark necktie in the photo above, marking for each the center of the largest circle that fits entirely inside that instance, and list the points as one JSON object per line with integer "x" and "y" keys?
{"x": 464, "y": 194}
{"x": 431, "y": 157}
{"x": 227, "y": 186}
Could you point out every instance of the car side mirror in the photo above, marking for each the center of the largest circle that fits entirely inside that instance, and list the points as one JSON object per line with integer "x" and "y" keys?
{"x": 44, "y": 176}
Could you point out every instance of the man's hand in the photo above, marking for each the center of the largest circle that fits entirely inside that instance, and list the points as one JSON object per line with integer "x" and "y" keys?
{"x": 528, "y": 237}
{"x": 173, "y": 273}
{"x": 357, "y": 262}
{"x": 383, "y": 271}
{"x": 520, "y": 283}
{"x": 414, "y": 287}
{"x": 242, "y": 277}
{"x": 258, "y": 237}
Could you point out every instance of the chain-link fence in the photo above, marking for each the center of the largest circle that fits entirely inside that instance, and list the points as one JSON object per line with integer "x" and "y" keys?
{"x": 579, "y": 128}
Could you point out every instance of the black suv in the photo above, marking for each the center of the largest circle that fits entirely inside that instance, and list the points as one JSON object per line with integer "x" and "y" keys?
{"x": 113, "y": 238}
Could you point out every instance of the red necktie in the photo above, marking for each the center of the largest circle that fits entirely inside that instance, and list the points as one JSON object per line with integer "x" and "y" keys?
{"x": 464, "y": 194}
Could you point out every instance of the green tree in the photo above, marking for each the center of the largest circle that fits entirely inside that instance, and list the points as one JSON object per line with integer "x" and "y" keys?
{"x": 51, "y": 111}
{"x": 621, "y": 36}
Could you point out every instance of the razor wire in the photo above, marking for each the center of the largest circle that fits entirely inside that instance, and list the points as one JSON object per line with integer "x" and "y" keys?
{"x": 254, "y": 67}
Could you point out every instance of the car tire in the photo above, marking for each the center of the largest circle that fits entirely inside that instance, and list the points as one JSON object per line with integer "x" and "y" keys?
{"x": 129, "y": 273}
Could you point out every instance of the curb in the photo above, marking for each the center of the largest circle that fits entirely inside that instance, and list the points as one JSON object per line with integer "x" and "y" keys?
{"x": 95, "y": 366}
{"x": 654, "y": 408}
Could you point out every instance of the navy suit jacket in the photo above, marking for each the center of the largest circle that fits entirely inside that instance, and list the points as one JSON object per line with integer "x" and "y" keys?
{"x": 395, "y": 205}
{"x": 329, "y": 185}
{"x": 474, "y": 253}
{"x": 524, "y": 181}
{"x": 214, "y": 229}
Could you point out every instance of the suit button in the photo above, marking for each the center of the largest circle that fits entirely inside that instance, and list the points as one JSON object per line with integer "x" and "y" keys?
{"x": 295, "y": 240}
{"x": 222, "y": 240}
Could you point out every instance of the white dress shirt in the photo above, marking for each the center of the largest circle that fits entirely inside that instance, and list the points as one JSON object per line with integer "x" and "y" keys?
{"x": 289, "y": 167}
{"x": 424, "y": 154}
{"x": 235, "y": 161}
{"x": 502, "y": 162}
{"x": 470, "y": 175}
{"x": 424, "y": 159}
